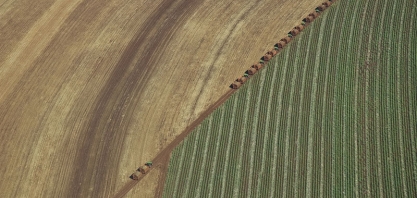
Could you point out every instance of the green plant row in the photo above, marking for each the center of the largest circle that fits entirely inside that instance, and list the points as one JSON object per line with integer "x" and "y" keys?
{"x": 332, "y": 115}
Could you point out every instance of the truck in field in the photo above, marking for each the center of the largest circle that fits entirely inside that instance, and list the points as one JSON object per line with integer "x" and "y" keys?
{"x": 141, "y": 170}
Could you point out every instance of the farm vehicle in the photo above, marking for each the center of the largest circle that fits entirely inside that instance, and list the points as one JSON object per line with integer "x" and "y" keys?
{"x": 141, "y": 170}
{"x": 281, "y": 44}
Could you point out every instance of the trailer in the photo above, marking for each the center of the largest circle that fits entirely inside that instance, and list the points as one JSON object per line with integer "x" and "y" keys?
{"x": 141, "y": 170}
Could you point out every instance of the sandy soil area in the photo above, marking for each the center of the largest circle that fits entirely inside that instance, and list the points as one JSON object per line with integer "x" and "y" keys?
{"x": 92, "y": 89}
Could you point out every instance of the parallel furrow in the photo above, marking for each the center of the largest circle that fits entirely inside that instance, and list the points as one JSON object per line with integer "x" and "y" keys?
{"x": 224, "y": 139}
{"x": 213, "y": 170}
{"x": 226, "y": 163}
{"x": 267, "y": 129}
{"x": 345, "y": 131}
{"x": 241, "y": 151}
{"x": 275, "y": 157}
{"x": 334, "y": 108}
{"x": 179, "y": 172}
{"x": 205, "y": 153}
{"x": 366, "y": 78}
{"x": 311, "y": 118}
{"x": 287, "y": 130}
{"x": 399, "y": 105}
{"x": 411, "y": 97}
{"x": 254, "y": 135}
{"x": 193, "y": 159}
{"x": 367, "y": 108}
{"x": 389, "y": 107}
{"x": 378, "y": 105}
{"x": 324, "y": 121}
{"x": 334, "y": 116}
{"x": 303, "y": 80}
{"x": 173, "y": 165}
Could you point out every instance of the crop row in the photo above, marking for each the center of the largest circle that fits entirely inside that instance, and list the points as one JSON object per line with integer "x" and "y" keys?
{"x": 332, "y": 115}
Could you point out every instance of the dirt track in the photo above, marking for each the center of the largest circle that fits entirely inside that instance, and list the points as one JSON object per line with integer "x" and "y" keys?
{"x": 162, "y": 159}
{"x": 89, "y": 90}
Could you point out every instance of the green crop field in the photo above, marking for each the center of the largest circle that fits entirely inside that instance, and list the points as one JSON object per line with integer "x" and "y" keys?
{"x": 332, "y": 115}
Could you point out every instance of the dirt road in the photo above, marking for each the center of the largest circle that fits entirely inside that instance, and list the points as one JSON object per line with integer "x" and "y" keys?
{"x": 162, "y": 159}
{"x": 90, "y": 90}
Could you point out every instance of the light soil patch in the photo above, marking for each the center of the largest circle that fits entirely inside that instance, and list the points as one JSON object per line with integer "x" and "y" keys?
{"x": 90, "y": 90}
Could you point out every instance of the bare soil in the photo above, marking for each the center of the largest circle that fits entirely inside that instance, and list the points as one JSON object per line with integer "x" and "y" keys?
{"x": 90, "y": 90}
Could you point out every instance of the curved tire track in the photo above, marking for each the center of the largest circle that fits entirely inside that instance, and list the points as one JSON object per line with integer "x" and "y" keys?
{"x": 99, "y": 144}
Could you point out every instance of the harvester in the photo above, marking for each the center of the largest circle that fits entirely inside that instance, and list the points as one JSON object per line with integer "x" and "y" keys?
{"x": 235, "y": 85}
{"x": 257, "y": 66}
{"x": 242, "y": 79}
{"x": 251, "y": 71}
{"x": 321, "y": 8}
{"x": 143, "y": 169}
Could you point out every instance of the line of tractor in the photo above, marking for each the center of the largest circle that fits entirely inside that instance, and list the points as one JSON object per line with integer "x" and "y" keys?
{"x": 142, "y": 170}
{"x": 280, "y": 45}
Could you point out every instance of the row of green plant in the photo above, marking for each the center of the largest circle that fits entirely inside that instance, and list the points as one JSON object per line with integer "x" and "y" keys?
{"x": 332, "y": 115}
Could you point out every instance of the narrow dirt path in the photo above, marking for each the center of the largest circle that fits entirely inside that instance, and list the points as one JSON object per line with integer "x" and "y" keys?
{"x": 162, "y": 159}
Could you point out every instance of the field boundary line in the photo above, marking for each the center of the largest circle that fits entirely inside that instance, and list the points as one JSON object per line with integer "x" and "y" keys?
{"x": 300, "y": 108}
{"x": 255, "y": 133}
{"x": 410, "y": 99}
{"x": 334, "y": 108}
{"x": 203, "y": 166}
{"x": 329, "y": 53}
{"x": 213, "y": 168}
{"x": 313, "y": 109}
{"x": 400, "y": 121}
{"x": 289, "y": 113}
{"x": 280, "y": 96}
{"x": 267, "y": 120}
{"x": 226, "y": 164}
{"x": 389, "y": 108}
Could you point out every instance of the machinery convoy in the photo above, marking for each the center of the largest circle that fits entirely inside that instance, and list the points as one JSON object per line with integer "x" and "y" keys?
{"x": 256, "y": 66}
{"x": 141, "y": 170}
{"x": 281, "y": 44}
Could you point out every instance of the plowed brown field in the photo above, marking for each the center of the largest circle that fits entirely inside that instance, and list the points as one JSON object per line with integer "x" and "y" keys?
{"x": 92, "y": 89}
